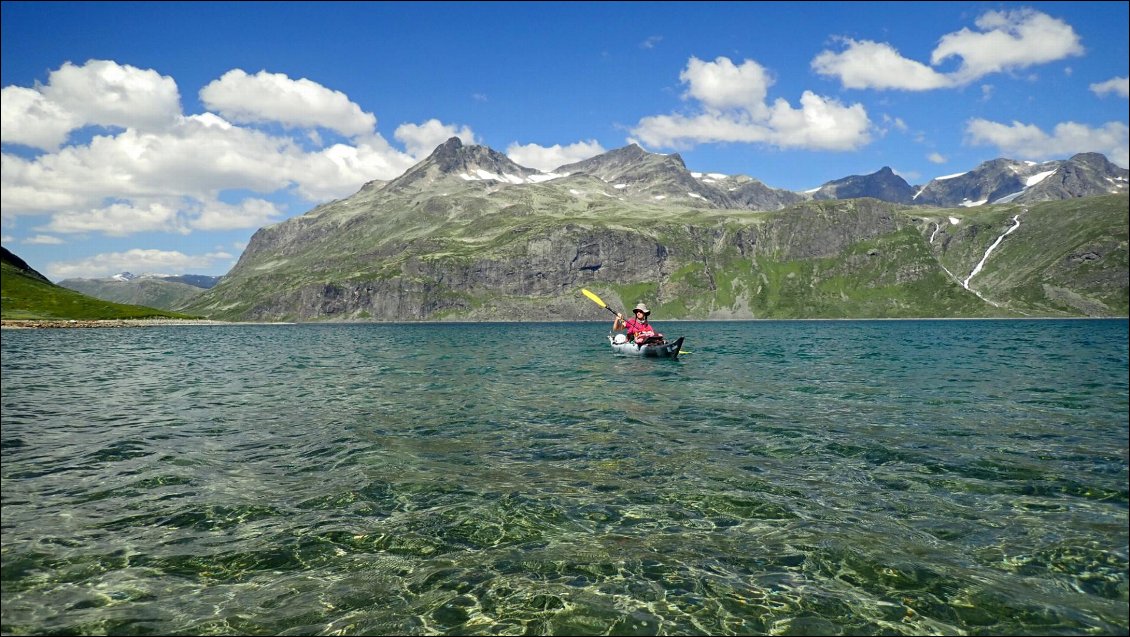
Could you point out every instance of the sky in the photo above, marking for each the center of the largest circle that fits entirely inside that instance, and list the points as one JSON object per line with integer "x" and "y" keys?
{"x": 158, "y": 137}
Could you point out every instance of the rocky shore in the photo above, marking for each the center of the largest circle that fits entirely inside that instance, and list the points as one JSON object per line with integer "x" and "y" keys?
{"x": 51, "y": 324}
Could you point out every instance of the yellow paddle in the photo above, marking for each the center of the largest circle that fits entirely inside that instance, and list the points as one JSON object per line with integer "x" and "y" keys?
{"x": 596, "y": 299}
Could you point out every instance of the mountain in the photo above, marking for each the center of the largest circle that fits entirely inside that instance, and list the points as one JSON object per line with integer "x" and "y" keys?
{"x": 1006, "y": 180}
{"x": 153, "y": 290}
{"x": 466, "y": 234}
{"x": 884, "y": 185}
{"x": 1084, "y": 175}
{"x": 17, "y": 266}
{"x": 453, "y": 160}
{"x": 28, "y": 295}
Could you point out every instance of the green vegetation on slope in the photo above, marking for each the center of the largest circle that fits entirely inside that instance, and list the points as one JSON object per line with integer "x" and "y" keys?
{"x": 474, "y": 252}
{"x": 24, "y": 297}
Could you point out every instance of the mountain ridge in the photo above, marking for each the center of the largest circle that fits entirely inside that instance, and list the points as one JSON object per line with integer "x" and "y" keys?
{"x": 441, "y": 243}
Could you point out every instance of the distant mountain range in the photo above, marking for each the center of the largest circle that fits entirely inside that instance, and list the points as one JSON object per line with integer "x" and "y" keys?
{"x": 28, "y": 295}
{"x": 151, "y": 290}
{"x": 467, "y": 234}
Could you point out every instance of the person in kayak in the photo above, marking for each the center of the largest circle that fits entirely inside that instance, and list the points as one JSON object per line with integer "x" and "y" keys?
{"x": 639, "y": 330}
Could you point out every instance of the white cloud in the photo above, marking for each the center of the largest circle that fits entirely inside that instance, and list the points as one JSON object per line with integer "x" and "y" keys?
{"x": 546, "y": 158}
{"x": 249, "y": 213}
{"x": 196, "y": 159}
{"x": 1027, "y": 141}
{"x": 168, "y": 177}
{"x": 136, "y": 260}
{"x": 101, "y": 93}
{"x": 43, "y": 240}
{"x": 1007, "y": 41}
{"x": 27, "y": 117}
{"x": 936, "y": 158}
{"x": 106, "y": 93}
{"x": 274, "y": 97}
{"x": 119, "y": 220}
{"x": 422, "y": 139}
{"x": 721, "y": 85}
{"x": 733, "y": 109}
{"x": 1120, "y": 86}
{"x": 867, "y": 64}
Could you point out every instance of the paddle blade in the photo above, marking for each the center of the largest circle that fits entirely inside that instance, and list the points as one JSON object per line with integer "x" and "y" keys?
{"x": 594, "y": 298}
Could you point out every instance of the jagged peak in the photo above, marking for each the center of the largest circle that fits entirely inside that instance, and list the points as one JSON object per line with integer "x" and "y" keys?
{"x": 470, "y": 162}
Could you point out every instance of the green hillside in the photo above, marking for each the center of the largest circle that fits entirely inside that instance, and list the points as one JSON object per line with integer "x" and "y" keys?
{"x": 26, "y": 296}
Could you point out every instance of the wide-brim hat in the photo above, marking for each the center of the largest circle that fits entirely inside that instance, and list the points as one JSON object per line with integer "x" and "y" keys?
{"x": 641, "y": 307}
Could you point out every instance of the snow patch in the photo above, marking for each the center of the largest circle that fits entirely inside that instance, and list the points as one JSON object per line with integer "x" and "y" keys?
{"x": 1038, "y": 177}
{"x": 660, "y": 197}
{"x": 1011, "y": 229}
{"x": 972, "y": 204}
{"x": 1009, "y": 198}
{"x": 955, "y": 221}
{"x": 945, "y": 177}
{"x": 485, "y": 175}
{"x": 696, "y": 195}
{"x": 537, "y": 179}
{"x": 620, "y": 186}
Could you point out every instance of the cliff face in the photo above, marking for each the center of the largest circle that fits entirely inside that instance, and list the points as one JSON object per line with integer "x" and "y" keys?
{"x": 466, "y": 236}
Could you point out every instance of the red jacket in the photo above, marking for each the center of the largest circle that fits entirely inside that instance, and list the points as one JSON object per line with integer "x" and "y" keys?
{"x": 640, "y": 331}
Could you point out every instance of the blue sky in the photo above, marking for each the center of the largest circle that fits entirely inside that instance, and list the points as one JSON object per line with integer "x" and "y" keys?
{"x": 158, "y": 137}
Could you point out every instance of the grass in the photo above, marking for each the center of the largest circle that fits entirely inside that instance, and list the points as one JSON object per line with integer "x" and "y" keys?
{"x": 23, "y": 297}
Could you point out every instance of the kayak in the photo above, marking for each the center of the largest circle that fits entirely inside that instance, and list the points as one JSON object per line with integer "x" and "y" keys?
{"x": 667, "y": 349}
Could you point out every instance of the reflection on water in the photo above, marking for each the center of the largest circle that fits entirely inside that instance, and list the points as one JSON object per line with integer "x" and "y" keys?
{"x": 910, "y": 477}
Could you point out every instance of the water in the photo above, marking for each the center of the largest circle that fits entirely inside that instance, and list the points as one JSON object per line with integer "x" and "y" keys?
{"x": 864, "y": 477}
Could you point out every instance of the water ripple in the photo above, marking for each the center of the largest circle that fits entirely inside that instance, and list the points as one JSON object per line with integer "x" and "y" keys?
{"x": 870, "y": 477}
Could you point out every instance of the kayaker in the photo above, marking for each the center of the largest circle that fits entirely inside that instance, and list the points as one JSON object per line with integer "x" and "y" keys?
{"x": 639, "y": 330}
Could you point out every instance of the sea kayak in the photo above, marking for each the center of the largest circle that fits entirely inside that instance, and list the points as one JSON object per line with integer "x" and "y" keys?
{"x": 666, "y": 349}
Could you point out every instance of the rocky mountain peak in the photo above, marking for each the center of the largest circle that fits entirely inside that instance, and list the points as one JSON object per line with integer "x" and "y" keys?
{"x": 1084, "y": 175}
{"x": 453, "y": 159}
{"x": 628, "y": 163}
{"x": 883, "y": 184}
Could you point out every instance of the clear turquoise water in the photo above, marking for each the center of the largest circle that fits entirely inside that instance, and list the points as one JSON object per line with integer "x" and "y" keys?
{"x": 863, "y": 477}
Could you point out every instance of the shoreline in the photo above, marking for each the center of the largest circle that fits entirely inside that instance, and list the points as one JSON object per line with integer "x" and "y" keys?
{"x": 32, "y": 324}
{"x": 41, "y": 324}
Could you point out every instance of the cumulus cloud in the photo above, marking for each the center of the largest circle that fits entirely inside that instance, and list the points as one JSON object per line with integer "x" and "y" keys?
{"x": 547, "y": 158}
{"x": 27, "y": 117}
{"x": 136, "y": 260}
{"x": 99, "y": 93}
{"x": 421, "y": 139}
{"x": 1119, "y": 86}
{"x": 154, "y": 169}
{"x": 936, "y": 158}
{"x": 249, "y": 213}
{"x": 732, "y": 107}
{"x": 1027, "y": 141}
{"x": 866, "y": 64}
{"x": 120, "y": 219}
{"x": 721, "y": 85}
{"x": 1008, "y": 40}
{"x": 274, "y": 97}
{"x": 1005, "y": 41}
